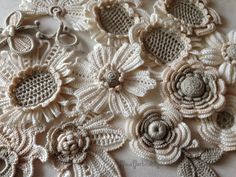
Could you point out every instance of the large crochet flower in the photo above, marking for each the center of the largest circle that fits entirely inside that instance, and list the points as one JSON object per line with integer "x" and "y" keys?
{"x": 195, "y": 90}
{"x": 82, "y": 145}
{"x": 112, "y": 78}
{"x": 111, "y": 20}
{"x": 220, "y": 128}
{"x": 158, "y": 133}
{"x": 193, "y": 16}
{"x": 71, "y": 11}
{"x": 221, "y": 53}
{"x": 34, "y": 88}
{"x": 18, "y": 150}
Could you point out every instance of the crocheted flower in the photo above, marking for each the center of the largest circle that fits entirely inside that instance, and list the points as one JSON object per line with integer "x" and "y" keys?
{"x": 82, "y": 145}
{"x": 71, "y": 11}
{"x": 220, "y": 128}
{"x": 34, "y": 88}
{"x": 161, "y": 42}
{"x": 112, "y": 78}
{"x": 158, "y": 133}
{"x": 18, "y": 150}
{"x": 112, "y": 20}
{"x": 195, "y": 90}
{"x": 221, "y": 53}
{"x": 193, "y": 16}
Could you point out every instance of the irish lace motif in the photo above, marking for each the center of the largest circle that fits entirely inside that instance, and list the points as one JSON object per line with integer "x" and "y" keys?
{"x": 71, "y": 11}
{"x": 112, "y": 78}
{"x": 82, "y": 145}
{"x": 34, "y": 88}
{"x": 113, "y": 19}
{"x": 220, "y": 128}
{"x": 221, "y": 53}
{"x": 18, "y": 150}
{"x": 195, "y": 90}
{"x": 158, "y": 134}
{"x": 193, "y": 16}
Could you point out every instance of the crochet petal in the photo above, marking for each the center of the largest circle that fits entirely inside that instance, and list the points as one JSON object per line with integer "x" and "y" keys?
{"x": 211, "y": 56}
{"x": 228, "y": 72}
{"x": 215, "y": 40}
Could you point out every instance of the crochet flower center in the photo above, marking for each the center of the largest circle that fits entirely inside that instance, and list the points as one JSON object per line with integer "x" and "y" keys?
{"x": 192, "y": 86}
{"x": 186, "y": 11}
{"x": 33, "y": 87}
{"x": 114, "y": 18}
{"x": 112, "y": 78}
{"x": 57, "y": 11}
{"x": 231, "y": 51}
{"x": 225, "y": 120}
{"x": 157, "y": 130}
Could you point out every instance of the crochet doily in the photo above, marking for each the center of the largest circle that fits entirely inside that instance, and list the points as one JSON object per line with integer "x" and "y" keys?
{"x": 108, "y": 75}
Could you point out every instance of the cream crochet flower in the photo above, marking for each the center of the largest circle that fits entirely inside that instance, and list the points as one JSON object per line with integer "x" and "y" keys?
{"x": 222, "y": 54}
{"x": 195, "y": 90}
{"x": 18, "y": 150}
{"x": 112, "y": 78}
{"x": 220, "y": 128}
{"x": 158, "y": 133}
{"x": 193, "y": 16}
{"x": 34, "y": 88}
{"x": 111, "y": 20}
{"x": 71, "y": 11}
{"x": 82, "y": 145}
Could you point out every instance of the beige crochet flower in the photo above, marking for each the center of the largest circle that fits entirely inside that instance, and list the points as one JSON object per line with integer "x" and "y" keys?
{"x": 34, "y": 88}
{"x": 71, "y": 11}
{"x": 82, "y": 145}
{"x": 18, "y": 150}
{"x": 221, "y": 53}
{"x": 112, "y": 78}
{"x": 158, "y": 134}
{"x": 193, "y": 16}
{"x": 220, "y": 128}
{"x": 195, "y": 90}
{"x": 111, "y": 20}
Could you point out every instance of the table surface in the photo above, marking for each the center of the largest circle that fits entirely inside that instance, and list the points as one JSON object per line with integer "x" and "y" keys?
{"x": 129, "y": 163}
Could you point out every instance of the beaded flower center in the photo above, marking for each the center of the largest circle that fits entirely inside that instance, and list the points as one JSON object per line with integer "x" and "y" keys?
{"x": 225, "y": 120}
{"x": 112, "y": 78}
{"x": 231, "y": 51}
{"x": 33, "y": 88}
{"x": 114, "y": 19}
{"x": 193, "y": 87}
{"x": 157, "y": 130}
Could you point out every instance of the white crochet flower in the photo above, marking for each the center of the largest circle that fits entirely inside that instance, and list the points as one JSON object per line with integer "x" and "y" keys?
{"x": 158, "y": 133}
{"x": 220, "y": 128}
{"x": 18, "y": 150}
{"x": 82, "y": 145}
{"x": 34, "y": 88}
{"x": 71, "y": 11}
{"x": 221, "y": 53}
{"x": 112, "y": 78}
{"x": 111, "y": 20}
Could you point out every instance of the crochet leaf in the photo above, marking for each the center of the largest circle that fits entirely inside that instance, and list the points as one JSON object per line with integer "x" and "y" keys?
{"x": 203, "y": 169}
{"x": 186, "y": 169}
{"x": 211, "y": 155}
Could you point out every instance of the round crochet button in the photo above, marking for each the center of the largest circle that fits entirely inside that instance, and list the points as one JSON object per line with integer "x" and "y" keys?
{"x": 231, "y": 51}
{"x": 157, "y": 130}
{"x": 225, "y": 120}
{"x": 193, "y": 87}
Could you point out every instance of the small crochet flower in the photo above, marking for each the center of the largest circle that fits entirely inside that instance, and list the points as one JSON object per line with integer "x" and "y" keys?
{"x": 82, "y": 145}
{"x": 221, "y": 53}
{"x": 158, "y": 133}
{"x": 111, "y": 20}
{"x": 195, "y": 90}
{"x": 18, "y": 150}
{"x": 193, "y": 16}
{"x": 34, "y": 88}
{"x": 112, "y": 78}
{"x": 220, "y": 128}
{"x": 71, "y": 11}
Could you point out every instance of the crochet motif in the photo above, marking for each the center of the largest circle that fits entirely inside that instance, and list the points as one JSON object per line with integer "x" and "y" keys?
{"x": 71, "y": 11}
{"x": 18, "y": 150}
{"x": 34, "y": 88}
{"x": 193, "y": 16}
{"x": 158, "y": 134}
{"x": 194, "y": 90}
{"x": 221, "y": 53}
{"x": 112, "y": 78}
{"x": 113, "y": 19}
{"x": 82, "y": 145}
